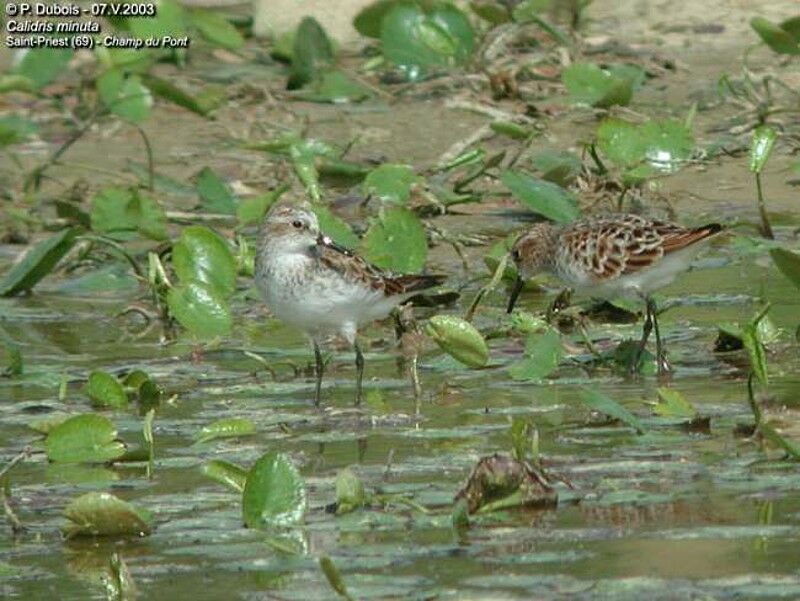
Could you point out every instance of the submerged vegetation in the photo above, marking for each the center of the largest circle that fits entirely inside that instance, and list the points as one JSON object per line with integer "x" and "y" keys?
{"x": 153, "y": 406}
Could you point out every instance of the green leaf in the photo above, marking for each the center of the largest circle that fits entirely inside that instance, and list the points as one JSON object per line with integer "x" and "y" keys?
{"x": 335, "y": 87}
{"x": 302, "y": 155}
{"x": 543, "y": 352}
{"x": 215, "y": 196}
{"x": 106, "y": 391}
{"x": 103, "y": 514}
{"x": 312, "y": 53}
{"x": 231, "y": 427}
{"x": 396, "y": 241}
{"x": 172, "y": 93}
{"x": 589, "y": 84}
{"x": 13, "y": 355}
{"x": 15, "y": 129}
{"x": 761, "y": 147}
{"x": 664, "y": 145}
{"x": 788, "y": 263}
{"x": 274, "y": 493}
{"x": 121, "y": 212}
{"x": 510, "y": 129}
{"x": 780, "y": 40}
{"x": 202, "y": 255}
{"x": 37, "y": 262}
{"x": 252, "y": 210}
{"x": 88, "y": 438}
{"x": 216, "y": 29}
{"x": 368, "y": 21}
{"x": 459, "y": 338}
{"x": 44, "y": 65}
{"x": 226, "y": 473}
{"x": 597, "y": 401}
{"x": 200, "y": 309}
{"x": 391, "y": 183}
{"x": 417, "y": 42}
{"x": 671, "y": 403}
{"x": 130, "y": 100}
{"x": 335, "y": 227}
{"x": 350, "y": 493}
{"x": 547, "y": 199}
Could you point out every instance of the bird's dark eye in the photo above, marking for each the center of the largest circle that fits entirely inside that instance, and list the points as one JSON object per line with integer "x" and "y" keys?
{"x": 297, "y": 224}
{"x": 515, "y": 255}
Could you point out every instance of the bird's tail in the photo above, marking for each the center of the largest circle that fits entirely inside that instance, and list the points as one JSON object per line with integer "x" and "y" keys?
{"x": 686, "y": 238}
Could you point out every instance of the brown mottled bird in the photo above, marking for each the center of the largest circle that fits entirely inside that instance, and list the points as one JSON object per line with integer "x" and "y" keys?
{"x": 612, "y": 256}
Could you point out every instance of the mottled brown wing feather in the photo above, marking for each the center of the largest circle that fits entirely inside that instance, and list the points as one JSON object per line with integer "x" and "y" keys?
{"x": 355, "y": 268}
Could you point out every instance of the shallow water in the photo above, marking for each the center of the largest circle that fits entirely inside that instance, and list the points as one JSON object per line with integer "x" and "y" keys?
{"x": 669, "y": 514}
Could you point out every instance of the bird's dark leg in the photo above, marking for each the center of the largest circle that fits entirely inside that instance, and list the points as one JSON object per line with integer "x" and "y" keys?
{"x": 661, "y": 356}
{"x": 319, "y": 368}
{"x": 359, "y": 372}
{"x": 646, "y": 329}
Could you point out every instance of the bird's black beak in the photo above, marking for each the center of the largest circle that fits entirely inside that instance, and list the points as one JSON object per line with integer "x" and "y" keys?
{"x": 519, "y": 284}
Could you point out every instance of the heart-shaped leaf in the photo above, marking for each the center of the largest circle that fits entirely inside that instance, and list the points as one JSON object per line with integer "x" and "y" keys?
{"x": 350, "y": 493}
{"x": 396, "y": 241}
{"x": 44, "y": 66}
{"x": 202, "y": 255}
{"x": 89, "y": 438}
{"x": 200, "y": 309}
{"x": 589, "y": 84}
{"x": 312, "y": 53}
{"x": 671, "y": 403}
{"x": 597, "y": 401}
{"x": 230, "y": 427}
{"x": 788, "y": 263}
{"x": 391, "y": 183}
{"x": 274, "y": 493}
{"x": 543, "y": 352}
{"x": 335, "y": 87}
{"x": 216, "y": 28}
{"x": 215, "y": 196}
{"x": 103, "y": 514}
{"x": 783, "y": 38}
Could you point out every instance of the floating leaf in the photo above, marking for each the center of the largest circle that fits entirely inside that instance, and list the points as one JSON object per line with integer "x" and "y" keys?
{"x": 103, "y": 514}
{"x": 671, "y": 403}
{"x": 274, "y": 493}
{"x": 226, "y": 473}
{"x": 543, "y": 352}
{"x": 761, "y": 147}
{"x": 37, "y": 262}
{"x": 202, "y": 255}
{"x": 396, "y": 241}
{"x": 200, "y": 309}
{"x": 44, "y": 65}
{"x": 350, "y": 493}
{"x": 312, "y": 53}
{"x": 589, "y": 84}
{"x": 216, "y": 28}
{"x": 124, "y": 96}
{"x": 663, "y": 145}
{"x": 783, "y": 38}
{"x": 597, "y": 401}
{"x": 87, "y": 438}
{"x": 121, "y": 212}
{"x": 231, "y": 427}
{"x": 106, "y": 391}
{"x": 335, "y": 87}
{"x": 459, "y": 338}
{"x": 14, "y": 364}
{"x": 546, "y": 198}
{"x": 788, "y": 263}
{"x": 215, "y": 196}
{"x": 391, "y": 183}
